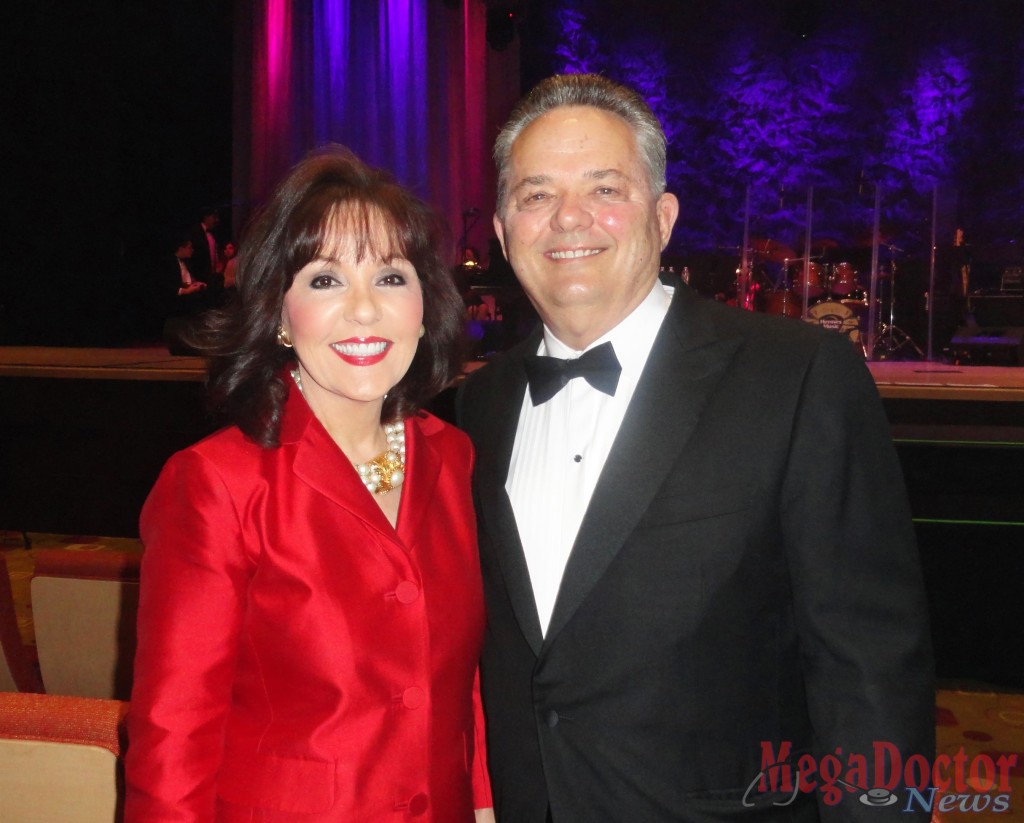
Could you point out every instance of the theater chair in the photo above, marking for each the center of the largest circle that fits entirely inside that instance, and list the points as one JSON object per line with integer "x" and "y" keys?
{"x": 17, "y": 670}
{"x": 60, "y": 758}
{"x": 84, "y": 605}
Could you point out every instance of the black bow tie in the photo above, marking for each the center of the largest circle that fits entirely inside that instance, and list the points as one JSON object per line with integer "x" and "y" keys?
{"x": 547, "y": 375}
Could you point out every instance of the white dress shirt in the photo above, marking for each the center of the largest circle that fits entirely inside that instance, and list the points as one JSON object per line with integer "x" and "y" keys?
{"x": 561, "y": 447}
{"x": 211, "y": 243}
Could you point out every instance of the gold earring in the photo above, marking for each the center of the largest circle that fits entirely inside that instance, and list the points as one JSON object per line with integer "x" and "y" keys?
{"x": 283, "y": 338}
{"x": 423, "y": 330}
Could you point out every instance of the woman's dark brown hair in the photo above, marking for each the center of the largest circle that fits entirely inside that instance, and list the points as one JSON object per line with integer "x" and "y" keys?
{"x": 246, "y": 382}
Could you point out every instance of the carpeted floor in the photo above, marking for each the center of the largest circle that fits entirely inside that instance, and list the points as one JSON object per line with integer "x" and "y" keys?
{"x": 981, "y": 723}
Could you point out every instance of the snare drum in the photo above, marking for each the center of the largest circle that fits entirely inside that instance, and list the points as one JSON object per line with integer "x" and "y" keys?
{"x": 858, "y": 301}
{"x": 854, "y": 298}
{"x": 844, "y": 280}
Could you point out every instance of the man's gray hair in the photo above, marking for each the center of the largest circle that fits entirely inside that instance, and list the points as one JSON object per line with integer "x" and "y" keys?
{"x": 584, "y": 90}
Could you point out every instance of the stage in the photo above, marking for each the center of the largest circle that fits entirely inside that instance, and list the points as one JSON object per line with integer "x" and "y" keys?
{"x": 143, "y": 363}
{"x": 895, "y": 379}
{"x": 929, "y": 400}
{"x": 939, "y": 381}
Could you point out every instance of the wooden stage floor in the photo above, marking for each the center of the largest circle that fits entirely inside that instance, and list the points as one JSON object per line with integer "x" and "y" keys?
{"x": 940, "y": 381}
{"x": 143, "y": 363}
{"x": 924, "y": 400}
{"x": 895, "y": 379}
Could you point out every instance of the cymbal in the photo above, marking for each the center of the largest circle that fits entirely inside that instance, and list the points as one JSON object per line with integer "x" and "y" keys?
{"x": 773, "y": 250}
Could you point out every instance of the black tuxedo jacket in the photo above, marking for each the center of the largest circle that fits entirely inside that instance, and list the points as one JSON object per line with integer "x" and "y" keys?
{"x": 165, "y": 297}
{"x": 745, "y": 576}
{"x": 202, "y": 268}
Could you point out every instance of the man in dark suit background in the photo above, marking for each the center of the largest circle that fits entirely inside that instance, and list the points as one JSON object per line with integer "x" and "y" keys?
{"x": 205, "y": 263}
{"x": 698, "y": 559}
{"x": 178, "y": 295}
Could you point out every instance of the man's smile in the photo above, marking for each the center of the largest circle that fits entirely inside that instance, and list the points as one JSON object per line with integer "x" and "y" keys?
{"x": 572, "y": 254}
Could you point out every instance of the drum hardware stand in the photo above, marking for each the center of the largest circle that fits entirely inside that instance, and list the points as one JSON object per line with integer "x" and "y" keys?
{"x": 807, "y": 253}
{"x": 743, "y": 298}
{"x": 891, "y": 338}
{"x": 744, "y": 286}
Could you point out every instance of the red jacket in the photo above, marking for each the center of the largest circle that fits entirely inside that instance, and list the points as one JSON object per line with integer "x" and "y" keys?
{"x": 298, "y": 658}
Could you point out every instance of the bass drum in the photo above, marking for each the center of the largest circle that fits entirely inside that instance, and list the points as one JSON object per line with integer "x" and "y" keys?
{"x": 844, "y": 280}
{"x": 847, "y": 317}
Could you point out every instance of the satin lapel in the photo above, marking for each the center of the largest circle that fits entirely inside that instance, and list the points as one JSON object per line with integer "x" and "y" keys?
{"x": 496, "y": 436}
{"x": 423, "y": 468}
{"x": 688, "y": 360}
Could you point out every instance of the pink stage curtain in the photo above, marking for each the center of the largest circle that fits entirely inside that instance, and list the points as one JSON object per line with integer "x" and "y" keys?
{"x": 409, "y": 85}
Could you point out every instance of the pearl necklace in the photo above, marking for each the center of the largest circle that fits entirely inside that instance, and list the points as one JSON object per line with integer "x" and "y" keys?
{"x": 386, "y": 471}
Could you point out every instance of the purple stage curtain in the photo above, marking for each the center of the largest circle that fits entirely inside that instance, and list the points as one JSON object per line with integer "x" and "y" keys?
{"x": 409, "y": 85}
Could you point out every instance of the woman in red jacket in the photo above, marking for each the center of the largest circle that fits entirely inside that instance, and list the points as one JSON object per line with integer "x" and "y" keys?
{"x": 311, "y": 611}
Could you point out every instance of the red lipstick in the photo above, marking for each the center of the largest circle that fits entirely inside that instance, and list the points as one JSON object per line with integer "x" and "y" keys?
{"x": 362, "y": 351}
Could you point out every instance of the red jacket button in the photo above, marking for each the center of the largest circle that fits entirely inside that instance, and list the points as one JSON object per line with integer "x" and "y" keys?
{"x": 407, "y": 592}
{"x": 413, "y": 697}
{"x": 418, "y": 804}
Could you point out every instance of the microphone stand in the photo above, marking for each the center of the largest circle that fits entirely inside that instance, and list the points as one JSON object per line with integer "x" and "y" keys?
{"x": 891, "y": 338}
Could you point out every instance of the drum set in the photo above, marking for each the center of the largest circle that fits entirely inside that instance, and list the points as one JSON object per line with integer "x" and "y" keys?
{"x": 833, "y": 295}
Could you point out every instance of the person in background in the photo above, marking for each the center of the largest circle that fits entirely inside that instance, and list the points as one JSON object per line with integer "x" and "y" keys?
{"x": 230, "y": 260}
{"x": 175, "y": 275}
{"x": 179, "y": 298}
{"x": 205, "y": 257}
{"x": 483, "y": 331}
{"x": 311, "y": 610}
{"x": 699, "y": 563}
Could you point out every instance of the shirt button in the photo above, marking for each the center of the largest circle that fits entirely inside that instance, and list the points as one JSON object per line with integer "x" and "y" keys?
{"x": 551, "y": 718}
{"x": 418, "y": 804}
{"x": 413, "y": 698}
{"x": 407, "y": 592}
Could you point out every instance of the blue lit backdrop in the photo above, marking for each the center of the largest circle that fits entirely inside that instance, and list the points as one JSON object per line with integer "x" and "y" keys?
{"x": 788, "y": 94}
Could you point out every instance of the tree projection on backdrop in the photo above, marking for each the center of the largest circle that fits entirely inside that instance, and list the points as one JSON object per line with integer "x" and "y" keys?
{"x": 747, "y": 100}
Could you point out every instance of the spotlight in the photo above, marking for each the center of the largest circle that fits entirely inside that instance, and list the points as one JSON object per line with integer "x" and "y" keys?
{"x": 501, "y": 27}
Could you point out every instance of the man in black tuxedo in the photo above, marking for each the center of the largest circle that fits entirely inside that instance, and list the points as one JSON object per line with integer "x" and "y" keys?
{"x": 205, "y": 263}
{"x": 179, "y": 296}
{"x": 698, "y": 559}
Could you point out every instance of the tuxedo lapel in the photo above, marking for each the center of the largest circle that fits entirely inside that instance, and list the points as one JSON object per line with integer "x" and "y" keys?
{"x": 496, "y": 433}
{"x": 686, "y": 363}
